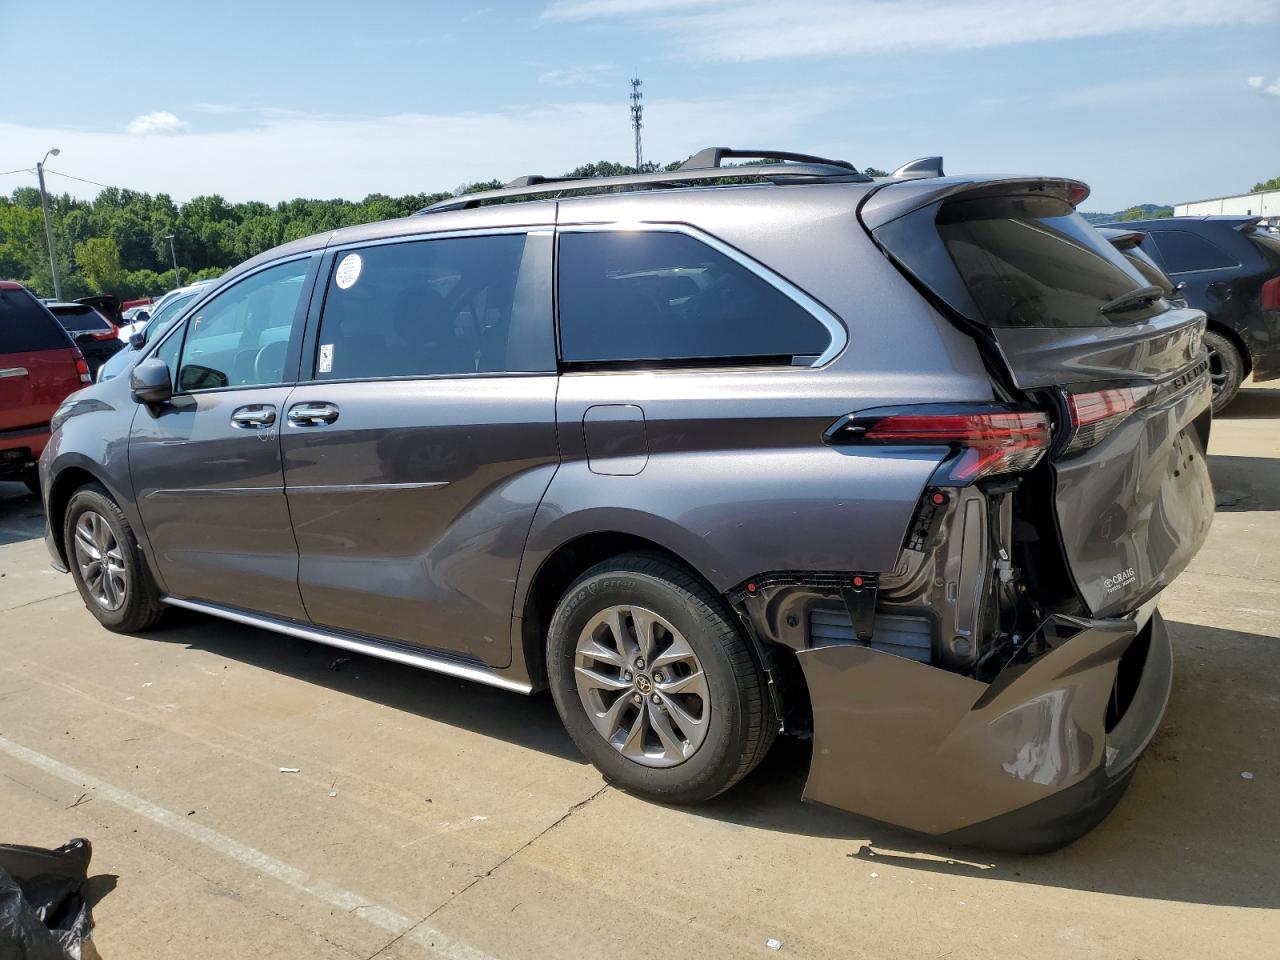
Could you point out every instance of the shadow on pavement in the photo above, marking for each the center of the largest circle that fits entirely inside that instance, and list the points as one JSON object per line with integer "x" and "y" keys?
{"x": 1189, "y": 829}
{"x": 21, "y": 514}
{"x": 526, "y": 721}
{"x": 1241, "y": 484}
{"x": 1253, "y": 404}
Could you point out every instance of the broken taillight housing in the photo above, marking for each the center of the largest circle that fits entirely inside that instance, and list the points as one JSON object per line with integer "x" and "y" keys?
{"x": 1094, "y": 415}
{"x": 986, "y": 440}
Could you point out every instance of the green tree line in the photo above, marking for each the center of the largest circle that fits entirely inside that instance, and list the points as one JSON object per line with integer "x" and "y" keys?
{"x": 117, "y": 243}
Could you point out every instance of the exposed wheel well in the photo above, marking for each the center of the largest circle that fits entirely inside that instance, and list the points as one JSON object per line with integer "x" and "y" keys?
{"x": 1245, "y": 357}
{"x": 64, "y": 485}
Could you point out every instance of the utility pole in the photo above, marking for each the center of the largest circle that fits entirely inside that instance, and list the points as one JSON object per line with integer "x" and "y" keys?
{"x": 637, "y": 111}
{"x": 48, "y": 224}
{"x": 177, "y": 274}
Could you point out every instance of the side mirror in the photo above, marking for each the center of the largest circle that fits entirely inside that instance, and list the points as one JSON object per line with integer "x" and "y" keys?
{"x": 150, "y": 381}
{"x": 137, "y": 341}
{"x": 141, "y": 316}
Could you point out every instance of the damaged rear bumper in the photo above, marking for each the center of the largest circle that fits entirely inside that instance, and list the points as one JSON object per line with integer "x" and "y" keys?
{"x": 1026, "y": 762}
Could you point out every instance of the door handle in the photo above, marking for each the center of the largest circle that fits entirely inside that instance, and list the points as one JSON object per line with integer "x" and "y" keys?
{"x": 12, "y": 372}
{"x": 254, "y": 417}
{"x": 312, "y": 414}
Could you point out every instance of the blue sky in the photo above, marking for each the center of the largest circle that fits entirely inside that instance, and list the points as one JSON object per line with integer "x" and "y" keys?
{"x": 1146, "y": 100}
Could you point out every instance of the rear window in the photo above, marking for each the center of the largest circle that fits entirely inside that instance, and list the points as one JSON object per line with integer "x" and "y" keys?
{"x": 81, "y": 319}
{"x": 1184, "y": 252}
{"x": 25, "y": 326}
{"x": 1147, "y": 267}
{"x": 1035, "y": 262}
{"x": 660, "y": 296}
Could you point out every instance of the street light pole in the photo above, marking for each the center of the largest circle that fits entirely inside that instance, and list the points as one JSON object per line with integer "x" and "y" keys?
{"x": 177, "y": 275}
{"x": 48, "y": 224}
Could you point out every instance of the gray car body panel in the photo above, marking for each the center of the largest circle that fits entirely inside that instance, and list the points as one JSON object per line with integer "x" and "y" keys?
{"x": 425, "y": 518}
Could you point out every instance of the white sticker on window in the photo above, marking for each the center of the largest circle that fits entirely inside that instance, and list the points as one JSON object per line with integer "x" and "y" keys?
{"x": 326, "y": 357}
{"x": 348, "y": 271}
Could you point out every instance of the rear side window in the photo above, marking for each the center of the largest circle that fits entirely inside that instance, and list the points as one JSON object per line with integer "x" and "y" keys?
{"x": 1184, "y": 252}
{"x": 25, "y": 326}
{"x": 81, "y": 319}
{"x": 661, "y": 296}
{"x": 1035, "y": 262}
{"x": 447, "y": 307}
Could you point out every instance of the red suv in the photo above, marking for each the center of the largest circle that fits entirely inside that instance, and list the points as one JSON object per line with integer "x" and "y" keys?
{"x": 39, "y": 366}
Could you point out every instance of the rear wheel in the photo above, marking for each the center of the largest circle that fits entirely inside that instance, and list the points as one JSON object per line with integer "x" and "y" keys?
{"x": 107, "y": 564}
{"x": 654, "y": 681}
{"x": 1226, "y": 369}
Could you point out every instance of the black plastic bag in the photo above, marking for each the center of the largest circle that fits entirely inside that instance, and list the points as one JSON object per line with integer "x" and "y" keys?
{"x": 43, "y": 911}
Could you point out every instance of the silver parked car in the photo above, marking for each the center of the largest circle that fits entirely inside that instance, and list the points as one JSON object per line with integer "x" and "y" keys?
{"x": 716, "y": 454}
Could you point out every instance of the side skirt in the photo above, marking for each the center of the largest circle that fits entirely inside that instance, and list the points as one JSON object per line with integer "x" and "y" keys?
{"x": 383, "y": 649}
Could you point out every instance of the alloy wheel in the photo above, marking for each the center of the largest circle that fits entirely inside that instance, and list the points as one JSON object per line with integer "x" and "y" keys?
{"x": 101, "y": 561}
{"x": 642, "y": 686}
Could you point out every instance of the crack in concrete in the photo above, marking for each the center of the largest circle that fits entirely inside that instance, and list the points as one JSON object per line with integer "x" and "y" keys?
{"x": 488, "y": 873}
{"x": 31, "y": 603}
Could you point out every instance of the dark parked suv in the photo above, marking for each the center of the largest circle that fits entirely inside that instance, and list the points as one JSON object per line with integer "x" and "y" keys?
{"x": 900, "y": 464}
{"x": 1228, "y": 267}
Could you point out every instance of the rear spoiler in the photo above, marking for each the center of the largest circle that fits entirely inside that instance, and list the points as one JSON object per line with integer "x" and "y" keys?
{"x": 1122, "y": 239}
{"x": 1249, "y": 225}
{"x": 893, "y": 199}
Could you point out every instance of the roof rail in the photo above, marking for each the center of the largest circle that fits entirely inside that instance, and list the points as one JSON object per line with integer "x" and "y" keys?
{"x": 796, "y": 168}
{"x": 710, "y": 157}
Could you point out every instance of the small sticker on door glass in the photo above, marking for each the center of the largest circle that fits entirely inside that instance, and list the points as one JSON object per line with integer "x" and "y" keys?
{"x": 348, "y": 271}
{"x": 326, "y": 358}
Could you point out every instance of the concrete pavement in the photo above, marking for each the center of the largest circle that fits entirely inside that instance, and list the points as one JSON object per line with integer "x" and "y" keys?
{"x": 432, "y": 817}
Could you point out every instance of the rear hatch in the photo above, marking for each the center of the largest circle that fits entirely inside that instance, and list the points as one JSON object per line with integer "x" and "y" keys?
{"x": 1068, "y": 325}
{"x": 38, "y": 362}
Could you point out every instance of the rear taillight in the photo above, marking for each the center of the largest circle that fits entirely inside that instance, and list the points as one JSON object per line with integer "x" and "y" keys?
{"x": 1094, "y": 415}
{"x": 1271, "y": 294}
{"x": 986, "y": 440}
{"x": 82, "y": 368}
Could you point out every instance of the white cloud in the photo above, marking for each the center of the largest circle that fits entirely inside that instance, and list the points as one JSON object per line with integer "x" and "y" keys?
{"x": 161, "y": 121}
{"x": 747, "y": 30}
{"x": 277, "y": 155}
{"x": 1260, "y": 83}
{"x": 575, "y": 76}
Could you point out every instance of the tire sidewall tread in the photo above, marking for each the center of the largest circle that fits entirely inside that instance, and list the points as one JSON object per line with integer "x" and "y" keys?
{"x": 742, "y": 727}
{"x": 142, "y": 605}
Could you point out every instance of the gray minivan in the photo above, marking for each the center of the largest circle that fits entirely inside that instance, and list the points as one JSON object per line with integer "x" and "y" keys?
{"x": 898, "y": 464}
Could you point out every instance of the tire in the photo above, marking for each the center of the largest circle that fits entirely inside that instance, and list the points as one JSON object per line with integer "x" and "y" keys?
{"x": 126, "y": 599}
{"x": 738, "y": 726}
{"x": 1226, "y": 368}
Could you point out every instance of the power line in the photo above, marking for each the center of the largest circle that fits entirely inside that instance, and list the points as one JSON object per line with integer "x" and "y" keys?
{"x": 105, "y": 186}
{"x": 19, "y": 170}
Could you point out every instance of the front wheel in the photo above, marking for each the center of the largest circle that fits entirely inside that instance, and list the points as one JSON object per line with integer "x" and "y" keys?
{"x": 107, "y": 564}
{"x": 1226, "y": 369}
{"x": 654, "y": 681}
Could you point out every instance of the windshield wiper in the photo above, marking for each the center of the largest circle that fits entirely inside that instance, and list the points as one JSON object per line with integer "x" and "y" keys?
{"x": 1134, "y": 298}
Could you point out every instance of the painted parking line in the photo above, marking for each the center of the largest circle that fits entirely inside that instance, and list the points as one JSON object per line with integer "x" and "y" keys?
{"x": 381, "y": 917}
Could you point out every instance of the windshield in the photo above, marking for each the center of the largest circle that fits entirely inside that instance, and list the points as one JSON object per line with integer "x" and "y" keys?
{"x": 163, "y": 317}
